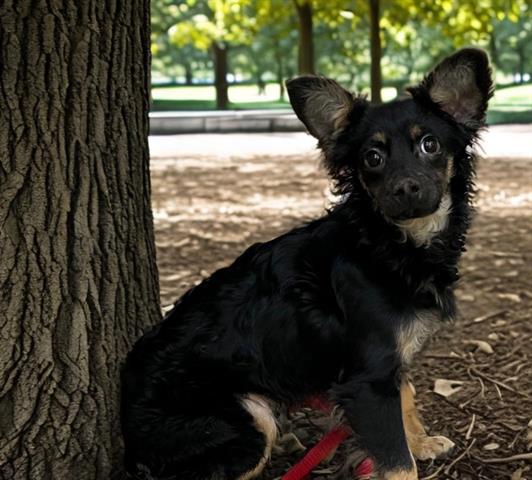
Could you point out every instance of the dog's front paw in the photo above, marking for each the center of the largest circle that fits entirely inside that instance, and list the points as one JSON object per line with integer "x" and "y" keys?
{"x": 401, "y": 475}
{"x": 429, "y": 448}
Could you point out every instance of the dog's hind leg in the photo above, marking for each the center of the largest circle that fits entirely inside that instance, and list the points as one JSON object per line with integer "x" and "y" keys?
{"x": 224, "y": 437}
{"x": 264, "y": 421}
{"x": 422, "y": 446}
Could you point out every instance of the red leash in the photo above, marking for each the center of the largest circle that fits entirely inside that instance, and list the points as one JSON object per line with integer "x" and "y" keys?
{"x": 324, "y": 448}
{"x": 317, "y": 454}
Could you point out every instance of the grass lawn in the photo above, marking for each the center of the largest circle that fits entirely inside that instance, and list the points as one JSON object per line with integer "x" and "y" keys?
{"x": 241, "y": 97}
{"x": 509, "y": 105}
{"x": 201, "y": 97}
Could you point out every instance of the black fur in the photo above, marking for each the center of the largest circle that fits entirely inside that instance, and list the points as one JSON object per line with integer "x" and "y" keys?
{"x": 315, "y": 310}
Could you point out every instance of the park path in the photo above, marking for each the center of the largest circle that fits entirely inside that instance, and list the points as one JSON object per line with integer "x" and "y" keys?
{"x": 213, "y": 195}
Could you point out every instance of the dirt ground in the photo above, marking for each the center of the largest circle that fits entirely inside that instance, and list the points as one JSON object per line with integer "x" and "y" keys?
{"x": 208, "y": 209}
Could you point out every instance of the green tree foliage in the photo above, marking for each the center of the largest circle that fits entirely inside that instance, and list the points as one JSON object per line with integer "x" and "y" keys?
{"x": 210, "y": 25}
{"x": 263, "y": 40}
{"x": 511, "y": 44}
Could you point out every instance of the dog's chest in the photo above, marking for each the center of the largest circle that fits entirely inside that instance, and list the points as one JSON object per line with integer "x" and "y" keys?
{"x": 414, "y": 332}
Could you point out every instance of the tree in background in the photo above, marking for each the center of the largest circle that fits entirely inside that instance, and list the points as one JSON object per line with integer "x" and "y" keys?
{"x": 212, "y": 25}
{"x": 357, "y": 41}
{"x": 184, "y": 63}
{"x": 306, "y": 36}
{"x": 274, "y": 39}
{"x": 174, "y": 62}
{"x": 465, "y": 22}
{"x": 511, "y": 45}
{"x": 78, "y": 278}
{"x": 375, "y": 50}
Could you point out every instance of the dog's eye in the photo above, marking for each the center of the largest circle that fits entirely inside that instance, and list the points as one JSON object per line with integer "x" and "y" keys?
{"x": 373, "y": 159}
{"x": 430, "y": 144}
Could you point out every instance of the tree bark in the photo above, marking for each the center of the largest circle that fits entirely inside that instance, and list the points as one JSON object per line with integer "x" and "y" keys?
{"x": 220, "y": 75}
{"x": 375, "y": 44}
{"x": 306, "y": 41}
{"x": 78, "y": 279}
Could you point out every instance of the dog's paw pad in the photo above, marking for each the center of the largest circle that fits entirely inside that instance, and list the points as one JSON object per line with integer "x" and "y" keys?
{"x": 430, "y": 448}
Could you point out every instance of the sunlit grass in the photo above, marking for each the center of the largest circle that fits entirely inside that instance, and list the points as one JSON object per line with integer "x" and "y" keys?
{"x": 202, "y": 97}
{"x": 519, "y": 96}
{"x": 509, "y": 105}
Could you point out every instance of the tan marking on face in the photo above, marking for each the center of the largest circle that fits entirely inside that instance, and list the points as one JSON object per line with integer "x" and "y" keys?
{"x": 363, "y": 183}
{"x": 415, "y": 132}
{"x": 379, "y": 137}
{"x": 421, "y": 445}
{"x": 264, "y": 421}
{"x": 449, "y": 173}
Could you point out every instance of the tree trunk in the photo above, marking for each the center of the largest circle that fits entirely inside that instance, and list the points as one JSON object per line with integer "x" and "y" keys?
{"x": 78, "y": 279}
{"x": 375, "y": 43}
{"x": 494, "y": 51}
{"x": 306, "y": 41}
{"x": 280, "y": 74}
{"x": 189, "y": 75}
{"x": 522, "y": 63}
{"x": 220, "y": 75}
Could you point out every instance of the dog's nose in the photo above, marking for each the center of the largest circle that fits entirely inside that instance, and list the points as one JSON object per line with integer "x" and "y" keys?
{"x": 407, "y": 188}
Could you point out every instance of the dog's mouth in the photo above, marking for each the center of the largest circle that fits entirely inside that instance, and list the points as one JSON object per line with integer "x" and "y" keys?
{"x": 413, "y": 212}
{"x": 442, "y": 209}
{"x": 416, "y": 213}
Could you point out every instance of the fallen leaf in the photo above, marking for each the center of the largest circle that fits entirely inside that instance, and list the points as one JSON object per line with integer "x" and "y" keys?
{"x": 511, "y": 273}
{"x": 489, "y": 316}
{"x": 467, "y": 298}
{"x": 481, "y": 345}
{"x": 446, "y": 388}
{"x": 513, "y": 297}
{"x": 491, "y": 446}
{"x": 517, "y": 475}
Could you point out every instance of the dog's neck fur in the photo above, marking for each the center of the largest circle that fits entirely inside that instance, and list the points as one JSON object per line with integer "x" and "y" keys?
{"x": 422, "y": 230}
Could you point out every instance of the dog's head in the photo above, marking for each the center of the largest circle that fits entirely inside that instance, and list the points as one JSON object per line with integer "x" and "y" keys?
{"x": 402, "y": 153}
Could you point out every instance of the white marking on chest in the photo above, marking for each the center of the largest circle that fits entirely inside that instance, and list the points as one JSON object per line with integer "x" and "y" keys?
{"x": 422, "y": 230}
{"x": 414, "y": 333}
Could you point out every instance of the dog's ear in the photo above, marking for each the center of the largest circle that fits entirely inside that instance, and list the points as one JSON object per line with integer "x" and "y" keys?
{"x": 461, "y": 86}
{"x": 321, "y": 104}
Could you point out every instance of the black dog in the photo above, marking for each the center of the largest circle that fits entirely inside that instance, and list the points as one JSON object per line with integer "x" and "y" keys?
{"x": 338, "y": 306}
